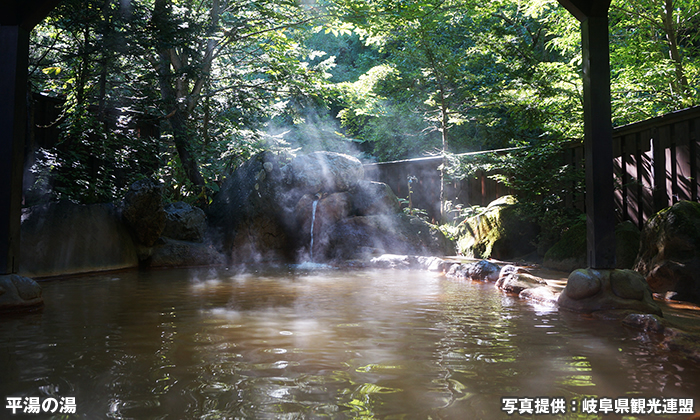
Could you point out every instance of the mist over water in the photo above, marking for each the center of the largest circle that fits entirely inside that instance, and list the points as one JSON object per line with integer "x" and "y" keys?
{"x": 309, "y": 342}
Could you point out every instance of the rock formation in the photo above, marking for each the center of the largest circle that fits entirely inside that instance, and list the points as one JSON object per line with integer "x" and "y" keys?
{"x": 266, "y": 211}
{"x": 669, "y": 254}
{"x": 184, "y": 222}
{"x": 589, "y": 290}
{"x": 514, "y": 279}
{"x": 479, "y": 271}
{"x": 500, "y": 232}
{"x": 143, "y": 211}
{"x": 19, "y": 293}
{"x": 247, "y": 218}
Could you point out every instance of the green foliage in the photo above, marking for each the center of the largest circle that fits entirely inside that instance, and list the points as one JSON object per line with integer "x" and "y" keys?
{"x": 464, "y": 76}
{"x": 391, "y": 78}
{"x": 655, "y": 57}
{"x": 571, "y": 245}
{"x": 541, "y": 181}
{"x": 212, "y": 74}
{"x": 347, "y": 55}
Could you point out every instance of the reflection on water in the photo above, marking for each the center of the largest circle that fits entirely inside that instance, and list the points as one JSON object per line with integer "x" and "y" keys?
{"x": 316, "y": 344}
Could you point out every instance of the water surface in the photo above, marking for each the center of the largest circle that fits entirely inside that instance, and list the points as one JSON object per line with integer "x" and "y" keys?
{"x": 286, "y": 343}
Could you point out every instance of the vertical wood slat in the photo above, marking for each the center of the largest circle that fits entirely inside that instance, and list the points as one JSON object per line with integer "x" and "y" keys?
{"x": 631, "y": 183}
{"x": 671, "y": 175}
{"x": 647, "y": 172}
{"x": 639, "y": 161}
{"x": 694, "y": 129}
{"x": 625, "y": 179}
{"x": 618, "y": 170}
{"x": 681, "y": 139}
{"x": 658, "y": 141}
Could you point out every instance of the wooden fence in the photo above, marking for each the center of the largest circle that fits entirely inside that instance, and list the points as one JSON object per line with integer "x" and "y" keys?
{"x": 655, "y": 165}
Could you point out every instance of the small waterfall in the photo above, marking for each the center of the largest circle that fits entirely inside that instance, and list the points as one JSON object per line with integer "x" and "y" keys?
{"x": 313, "y": 219}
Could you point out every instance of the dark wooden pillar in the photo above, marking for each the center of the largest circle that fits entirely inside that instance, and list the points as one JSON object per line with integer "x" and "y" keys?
{"x": 14, "y": 50}
{"x": 17, "y": 18}
{"x": 597, "y": 115}
{"x": 600, "y": 204}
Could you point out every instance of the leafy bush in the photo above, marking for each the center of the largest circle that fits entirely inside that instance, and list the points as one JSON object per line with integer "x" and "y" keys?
{"x": 541, "y": 180}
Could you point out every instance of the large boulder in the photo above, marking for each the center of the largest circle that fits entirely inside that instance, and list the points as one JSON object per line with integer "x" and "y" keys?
{"x": 168, "y": 252}
{"x": 323, "y": 172}
{"x": 323, "y": 210}
{"x": 478, "y": 271}
{"x": 514, "y": 279}
{"x": 66, "y": 238}
{"x": 589, "y": 290}
{"x": 184, "y": 222}
{"x": 18, "y": 293}
{"x": 143, "y": 211}
{"x": 669, "y": 254}
{"x": 250, "y": 216}
{"x": 321, "y": 213}
{"x": 569, "y": 253}
{"x": 372, "y": 198}
{"x": 265, "y": 212}
{"x": 500, "y": 232}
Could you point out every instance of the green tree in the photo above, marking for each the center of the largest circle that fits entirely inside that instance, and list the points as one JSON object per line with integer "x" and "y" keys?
{"x": 76, "y": 56}
{"x": 655, "y": 57}
{"x": 480, "y": 74}
{"x": 211, "y": 72}
{"x": 241, "y": 49}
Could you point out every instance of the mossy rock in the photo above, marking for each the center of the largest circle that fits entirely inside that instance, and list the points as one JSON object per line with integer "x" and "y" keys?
{"x": 589, "y": 290}
{"x": 502, "y": 231}
{"x": 669, "y": 253}
{"x": 19, "y": 293}
{"x": 627, "y": 237}
{"x": 570, "y": 252}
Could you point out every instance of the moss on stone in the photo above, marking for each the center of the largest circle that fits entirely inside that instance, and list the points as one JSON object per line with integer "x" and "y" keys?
{"x": 627, "y": 238}
{"x": 570, "y": 252}
{"x": 571, "y": 245}
{"x": 500, "y": 231}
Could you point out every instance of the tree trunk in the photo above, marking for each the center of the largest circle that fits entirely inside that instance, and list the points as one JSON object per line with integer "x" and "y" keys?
{"x": 179, "y": 113}
{"x": 444, "y": 121}
{"x": 178, "y": 123}
{"x": 444, "y": 124}
{"x": 680, "y": 84}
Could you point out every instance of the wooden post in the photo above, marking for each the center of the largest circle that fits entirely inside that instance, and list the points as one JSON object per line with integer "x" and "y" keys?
{"x": 17, "y": 18}
{"x": 597, "y": 115}
{"x": 14, "y": 50}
